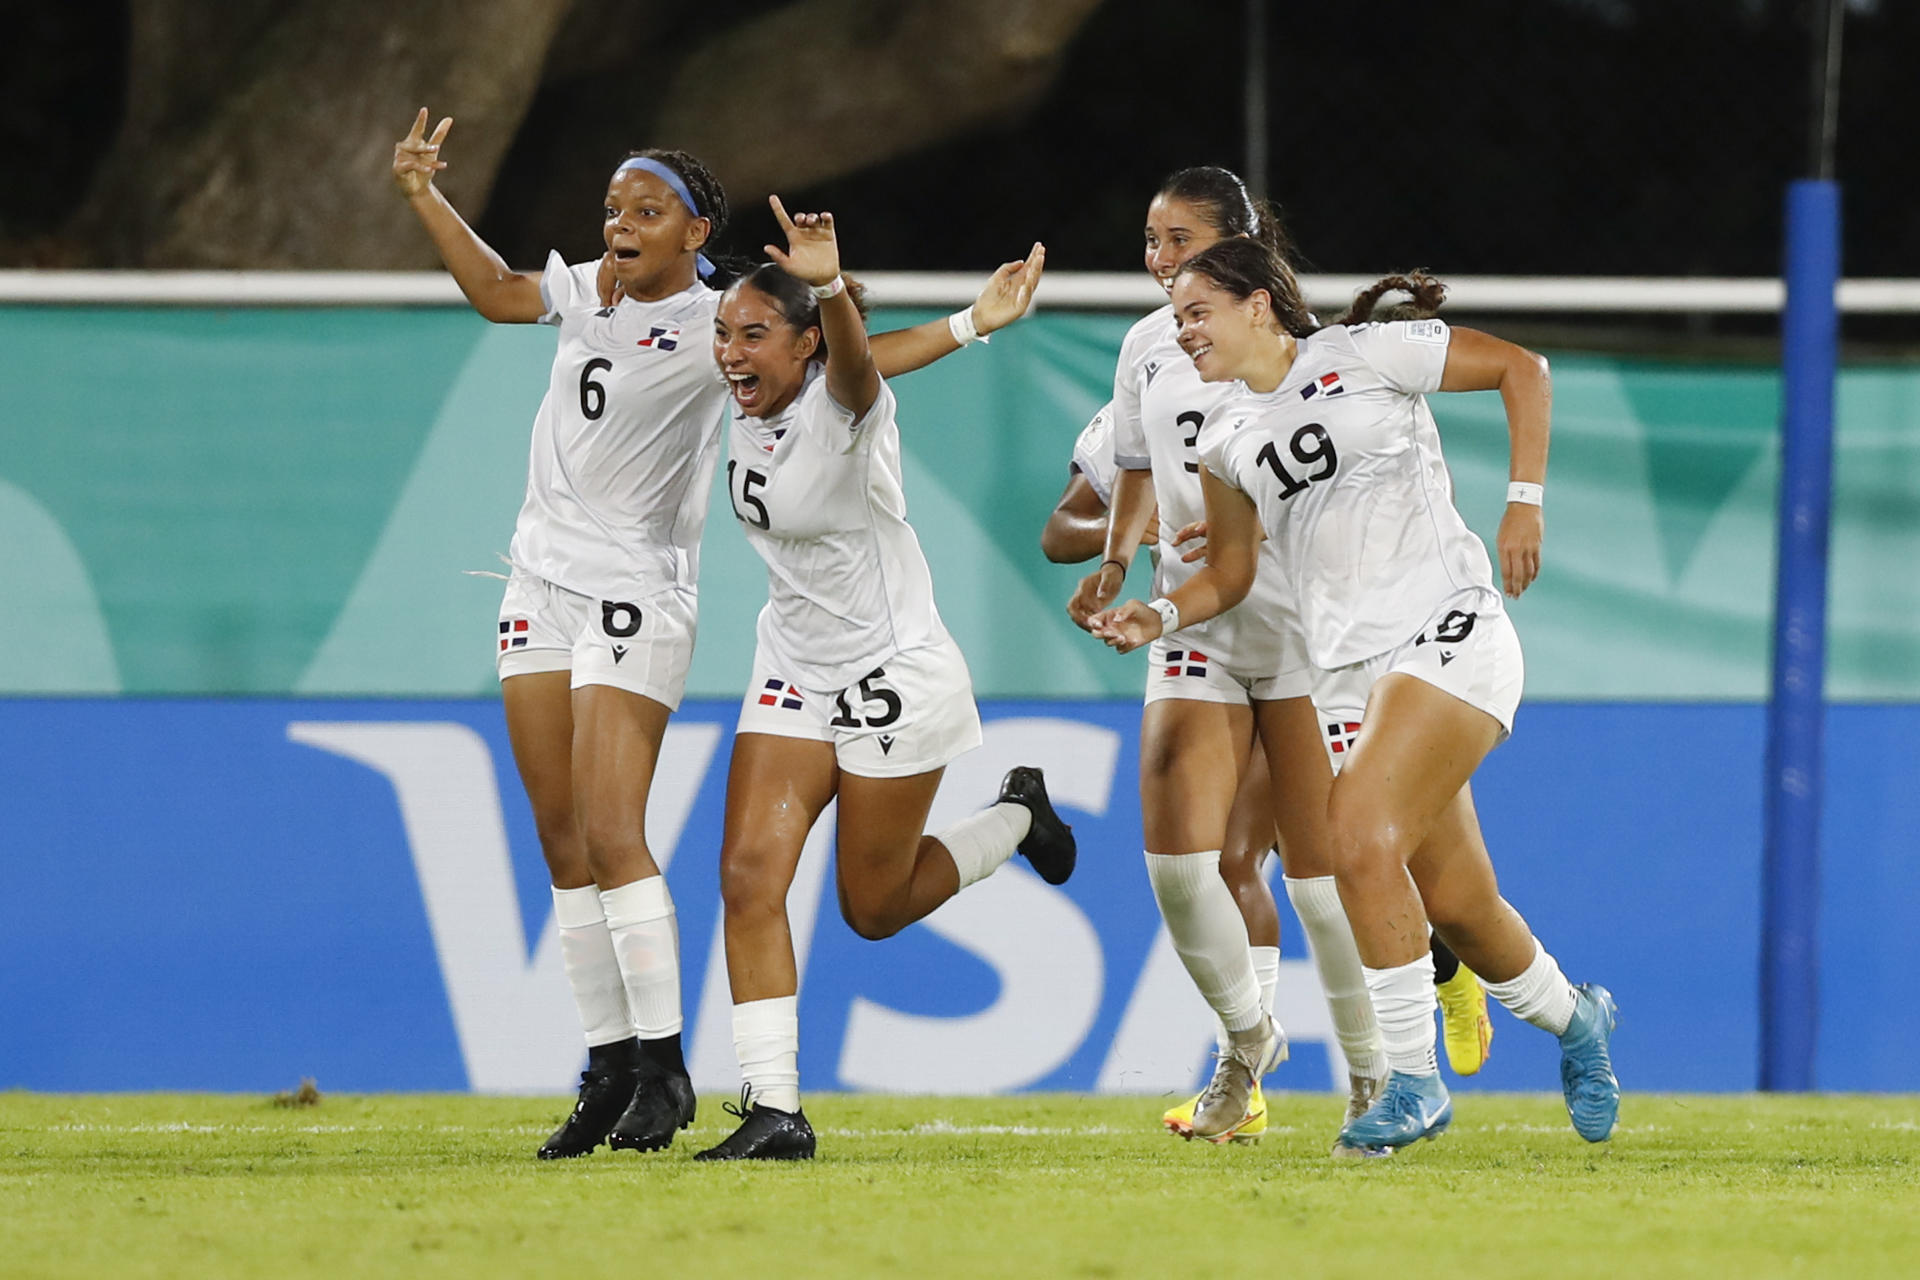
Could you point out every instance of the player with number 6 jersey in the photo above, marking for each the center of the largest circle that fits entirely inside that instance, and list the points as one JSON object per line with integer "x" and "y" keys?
{"x": 857, "y": 693}
{"x": 1331, "y": 452}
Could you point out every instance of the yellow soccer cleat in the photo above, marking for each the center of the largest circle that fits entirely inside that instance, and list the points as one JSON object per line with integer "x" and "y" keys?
{"x": 1468, "y": 1032}
{"x": 1179, "y": 1119}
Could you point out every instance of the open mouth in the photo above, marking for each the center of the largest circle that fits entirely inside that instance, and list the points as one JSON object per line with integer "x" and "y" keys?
{"x": 746, "y": 389}
{"x": 625, "y": 255}
{"x": 1194, "y": 353}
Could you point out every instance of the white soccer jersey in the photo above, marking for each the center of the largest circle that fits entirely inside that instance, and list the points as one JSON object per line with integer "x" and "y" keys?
{"x": 1093, "y": 454}
{"x": 1343, "y": 461}
{"x": 625, "y": 441}
{"x": 1159, "y": 406}
{"x": 819, "y": 497}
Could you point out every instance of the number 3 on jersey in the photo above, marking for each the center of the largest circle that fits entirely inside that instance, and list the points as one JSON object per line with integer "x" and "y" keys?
{"x": 1310, "y": 445}
{"x": 756, "y": 515}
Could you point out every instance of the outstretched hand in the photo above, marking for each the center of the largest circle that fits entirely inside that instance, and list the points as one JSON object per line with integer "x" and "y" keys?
{"x": 416, "y": 157}
{"x": 812, "y": 254}
{"x": 1010, "y": 291}
{"x": 1128, "y": 627}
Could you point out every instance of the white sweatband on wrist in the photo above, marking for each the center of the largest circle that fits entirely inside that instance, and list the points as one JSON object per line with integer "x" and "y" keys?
{"x": 960, "y": 325}
{"x": 1169, "y": 614}
{"x": 1521, "y": 491}
{"x": 825, "y": 291}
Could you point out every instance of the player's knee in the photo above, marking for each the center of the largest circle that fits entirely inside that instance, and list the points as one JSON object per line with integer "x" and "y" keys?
{"x": 1365, "y": 845}
{"x": 612, "y": 856}
{"x": 750, "y": 886}
{"x": 871, "y": 920}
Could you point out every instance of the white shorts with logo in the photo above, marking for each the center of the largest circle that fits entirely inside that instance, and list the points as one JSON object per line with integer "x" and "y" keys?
{"x": 1466, "y": 648}
{"x": 642, "y": 646}
{"x": 1176, "y": 669}
{"x": 912, "y": 714}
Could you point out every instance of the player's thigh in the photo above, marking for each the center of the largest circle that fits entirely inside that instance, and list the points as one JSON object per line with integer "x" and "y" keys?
{"x": 777, "y": 787}
{"x": 539, "y": 711}
{"x": 1299, "y": 779}
{"x": 1192, "y": 755}
{"x": 1418, "y": 749}
{"x": 616, "y": 744}
{"x": 881, "y": 824}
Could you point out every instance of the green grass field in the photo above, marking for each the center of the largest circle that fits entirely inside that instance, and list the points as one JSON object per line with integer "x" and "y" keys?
{"x": 376, "y": 1186}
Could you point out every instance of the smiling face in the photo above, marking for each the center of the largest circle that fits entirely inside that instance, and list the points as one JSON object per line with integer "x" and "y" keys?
{"x": 763, "y": 356}
{"x": 1221, "y": 334}
{"x": 653, "y": 236}
{"x": 1176, "y": 230}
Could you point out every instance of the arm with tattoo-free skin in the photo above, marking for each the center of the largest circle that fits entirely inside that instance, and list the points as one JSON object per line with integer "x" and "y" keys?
{"x": 1233, "y": 536}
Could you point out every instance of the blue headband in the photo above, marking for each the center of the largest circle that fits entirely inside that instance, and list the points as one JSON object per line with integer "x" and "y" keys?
{"x": 678, "y": 185}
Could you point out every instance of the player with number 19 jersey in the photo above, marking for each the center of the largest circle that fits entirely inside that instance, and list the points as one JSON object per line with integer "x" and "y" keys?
{"x": 1159, "y": 407}
{"x": 1343, "y": 462}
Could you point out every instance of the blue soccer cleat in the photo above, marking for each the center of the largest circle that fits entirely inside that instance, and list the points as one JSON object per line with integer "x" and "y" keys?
{"x": 1586, "y": 1069}
{"x": 1410, "y": 1108}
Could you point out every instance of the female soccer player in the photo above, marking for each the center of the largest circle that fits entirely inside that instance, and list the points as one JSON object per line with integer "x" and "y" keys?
{"x": 1331, "y": 450}
{"x": 1206, "y": 688}
{"x": 857, "y": 690}
{"x": 596, "y": 629}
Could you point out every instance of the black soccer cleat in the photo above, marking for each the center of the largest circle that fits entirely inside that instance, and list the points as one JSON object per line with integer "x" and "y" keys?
{"x": 604, "y": 1095}
{"x": 662, "y": 1102}
{"x": 1049, "y": 844}
{"x": 764, "y": 1134}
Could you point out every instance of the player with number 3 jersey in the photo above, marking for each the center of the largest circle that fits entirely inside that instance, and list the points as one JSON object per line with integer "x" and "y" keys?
{"x": 1330, "y": 450}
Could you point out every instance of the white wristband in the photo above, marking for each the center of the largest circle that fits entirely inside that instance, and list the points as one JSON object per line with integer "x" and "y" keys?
{"x": 960, "y": 325}
{"x": 825, "y": 291}
{"x": 1521, "y": 491}
{"x": 1169, "y": 614}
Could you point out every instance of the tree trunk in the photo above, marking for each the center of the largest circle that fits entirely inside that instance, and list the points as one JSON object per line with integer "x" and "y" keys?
{"x": 260, "y": 134}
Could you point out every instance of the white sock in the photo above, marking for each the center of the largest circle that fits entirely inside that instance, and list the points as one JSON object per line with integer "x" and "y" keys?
{"x": 980, "y": 843}
{"x": 766, "y": 1039}
{"x": 1404, "y": 1001}
{"x": 1266, "y": 971}
{"x": 1540, "y": 995}
{"x": 1336, "y": 959}
{"x": 646, "y": 942}
{"x": 586, "y": 952}
{"x": 1208, "y": 933}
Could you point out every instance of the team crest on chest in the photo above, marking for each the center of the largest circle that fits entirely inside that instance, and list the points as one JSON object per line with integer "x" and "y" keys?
{"x": 1327, "y": 384}
{"x": 661, "y": 337}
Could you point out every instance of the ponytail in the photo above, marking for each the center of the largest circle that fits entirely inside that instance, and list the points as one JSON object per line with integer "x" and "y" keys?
{"x": 1426, "y": 294}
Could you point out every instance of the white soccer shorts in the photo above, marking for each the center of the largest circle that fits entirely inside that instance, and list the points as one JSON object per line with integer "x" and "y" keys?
{"x": 643, "y": 646}
{"x": 1465, "y": 649}
{"x": 1176, "y": 669}
{"x": 912, "y": 714}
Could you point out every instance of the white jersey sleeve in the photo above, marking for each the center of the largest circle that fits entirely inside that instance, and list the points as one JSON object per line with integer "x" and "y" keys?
{"x": 564, "y": 288}
{"x": 1129, "y": 380}
{"x": 832, "y": 425}
{"x": 1409, "y": 355}
{"x": 1093, "y": 454}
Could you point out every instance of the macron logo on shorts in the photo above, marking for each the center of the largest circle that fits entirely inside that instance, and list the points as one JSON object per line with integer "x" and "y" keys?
{"x": 513, "y": 634}
{"x": 1340, "y": 736}
{"x": 1193, "y": 661}
{"x": 781, "y": 694}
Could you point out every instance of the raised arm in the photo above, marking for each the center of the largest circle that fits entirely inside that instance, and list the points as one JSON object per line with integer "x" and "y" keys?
{"x": 812, "y": 256}
{"x": 1481, "y": 362}
{"x": 1233, "y": 549}
{"x": 496, "y": 291}
{"x": 1006, "y": 298}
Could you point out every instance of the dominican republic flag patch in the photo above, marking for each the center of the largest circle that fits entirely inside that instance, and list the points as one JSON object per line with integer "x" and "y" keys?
{"x": 513, "y": 634}
{"x": 779, "y": 434}
{"x": 1327, "y": 384}
{"x": 1189, "y": 662}
{"x": 1340, "y": 736}
{"x": 661, "y": 337}
{"x": 779, "y": 693}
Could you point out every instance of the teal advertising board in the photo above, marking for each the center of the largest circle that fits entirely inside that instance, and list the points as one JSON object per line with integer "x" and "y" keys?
{"x": 304, "y": 502}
